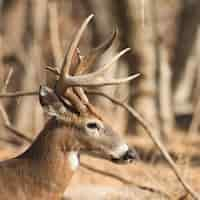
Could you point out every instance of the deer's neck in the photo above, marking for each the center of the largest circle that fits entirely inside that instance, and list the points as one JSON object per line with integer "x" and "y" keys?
{"x": 53, "y": 156}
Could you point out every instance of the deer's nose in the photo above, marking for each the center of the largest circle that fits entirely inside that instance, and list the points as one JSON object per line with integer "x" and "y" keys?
{"x": 130, "y": 155}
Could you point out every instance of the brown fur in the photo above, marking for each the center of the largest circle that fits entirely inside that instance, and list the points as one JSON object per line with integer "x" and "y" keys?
{"x": 42, "y": 172}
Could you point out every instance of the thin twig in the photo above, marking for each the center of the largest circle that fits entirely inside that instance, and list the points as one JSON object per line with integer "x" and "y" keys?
{"x": 53, "y": 70}
{"x": 4, "y": 114}
{"x": 7, "y": 80}
{"x": 117, "y": 177}
{"x": 18, "y": 133}
{"x": 151, "y": 132}
{"x": 7, "y": 125}
{"x": 122, "y": 180}
{"x": 11, "y": 141}
{"x": 19, "y": 94}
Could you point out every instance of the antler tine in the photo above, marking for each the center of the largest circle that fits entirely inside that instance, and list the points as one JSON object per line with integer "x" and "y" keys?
{"x": 102, "y": 70}
{"x": 97, "y": 81}
{"x": 88, "y": 60}
{"x": 60, "y": 87}
{"x": 65, "y": 67}
{"x": 98, "y": 78}
{"x": 69, "y": 54}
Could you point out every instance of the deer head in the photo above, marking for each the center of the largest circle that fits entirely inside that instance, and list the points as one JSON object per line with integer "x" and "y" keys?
{"x": 69, "y": 104}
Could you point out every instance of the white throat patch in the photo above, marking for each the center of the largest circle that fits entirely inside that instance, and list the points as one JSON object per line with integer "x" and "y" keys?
{"x": 120, "y": 150}
{"x": 73, "y": 160}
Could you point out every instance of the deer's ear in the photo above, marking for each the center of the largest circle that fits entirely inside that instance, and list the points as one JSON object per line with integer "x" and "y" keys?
{"x": 50, "y": 102}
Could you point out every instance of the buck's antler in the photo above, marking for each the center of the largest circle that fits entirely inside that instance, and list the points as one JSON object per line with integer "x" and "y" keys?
{"x": 88, "y": 60}
{"x": 75, "y": 79}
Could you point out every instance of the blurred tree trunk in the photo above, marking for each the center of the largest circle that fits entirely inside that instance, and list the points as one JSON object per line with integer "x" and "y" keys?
{"x": 163, "y": 17}
{"x": 148, "y": 27}
{"x": 122, "y": 19}
{"x": 33, "y": 70}
{"x": 142, "y": 28}
{"x": 13, "y": 28}
{"x": 143, "y": 90}
{"x": 195, "y": 123}
{"x": 183, "y": 62}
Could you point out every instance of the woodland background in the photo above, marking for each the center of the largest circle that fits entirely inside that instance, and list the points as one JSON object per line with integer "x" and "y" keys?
{"x": 164, "y": 36}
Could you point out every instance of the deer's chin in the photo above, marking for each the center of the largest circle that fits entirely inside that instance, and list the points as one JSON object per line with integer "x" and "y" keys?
{"x": 128, "y": 157}
{"x": 122, "y": 161}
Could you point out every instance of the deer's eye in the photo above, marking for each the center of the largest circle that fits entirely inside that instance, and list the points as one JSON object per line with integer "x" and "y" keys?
{"x": 92, "y": 125}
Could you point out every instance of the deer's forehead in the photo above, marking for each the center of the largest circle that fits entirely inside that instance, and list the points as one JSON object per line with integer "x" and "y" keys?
{"x": 89, "y": 115}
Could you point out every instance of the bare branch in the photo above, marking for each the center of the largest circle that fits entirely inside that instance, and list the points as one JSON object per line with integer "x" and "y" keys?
{"x": 7, "y": 80}
{"x": 7, "y": 125}
{"x": 18, "y": 133}
{"x": 3, "y": 113}
{"x": 19, "y": 94}
{"x": 53, "y": 70}
{"x": 151, "y": 132}
{"x": 10, "y": 141}
{"x": 122, "y": 180}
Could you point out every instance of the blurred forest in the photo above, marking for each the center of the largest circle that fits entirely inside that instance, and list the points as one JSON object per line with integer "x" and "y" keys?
{"x": 164, "y": 37}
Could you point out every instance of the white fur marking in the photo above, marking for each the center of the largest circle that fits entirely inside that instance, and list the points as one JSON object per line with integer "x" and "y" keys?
{"x": 43, "y": 92}
{"x": 119, "y": 151}
{"x": 73, "y": 160}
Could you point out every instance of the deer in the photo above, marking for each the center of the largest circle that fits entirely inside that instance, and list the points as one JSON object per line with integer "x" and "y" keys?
{"x": 44, "y": 170}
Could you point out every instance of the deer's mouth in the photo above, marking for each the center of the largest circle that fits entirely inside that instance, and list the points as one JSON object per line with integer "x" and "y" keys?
{"x": 128, "y": 157}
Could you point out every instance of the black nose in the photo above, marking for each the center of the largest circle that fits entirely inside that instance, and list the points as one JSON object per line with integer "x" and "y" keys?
{"x": 130, "y": 155}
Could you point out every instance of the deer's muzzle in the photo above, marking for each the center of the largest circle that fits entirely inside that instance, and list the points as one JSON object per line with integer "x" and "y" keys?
{"x": 129, "y": 156}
